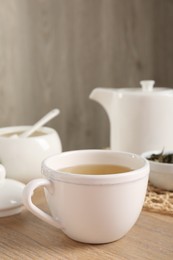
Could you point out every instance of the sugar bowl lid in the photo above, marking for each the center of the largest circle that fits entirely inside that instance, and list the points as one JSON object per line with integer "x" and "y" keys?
{"x": 10, "y": 195}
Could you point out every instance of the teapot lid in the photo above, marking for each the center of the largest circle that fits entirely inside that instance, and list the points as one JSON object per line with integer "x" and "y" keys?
{"x": 147, "y": 88}
{"x": 10, "y": 195}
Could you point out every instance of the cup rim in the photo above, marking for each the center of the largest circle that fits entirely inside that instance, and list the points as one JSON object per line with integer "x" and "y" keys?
{"x": 85, "y": 179}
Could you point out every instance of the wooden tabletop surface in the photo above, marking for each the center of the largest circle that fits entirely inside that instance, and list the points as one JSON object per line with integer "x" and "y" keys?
{"x": 24, "y": 236}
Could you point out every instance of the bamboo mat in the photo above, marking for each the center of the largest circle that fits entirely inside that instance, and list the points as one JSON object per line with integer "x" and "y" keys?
{"x": 159, "y": 201}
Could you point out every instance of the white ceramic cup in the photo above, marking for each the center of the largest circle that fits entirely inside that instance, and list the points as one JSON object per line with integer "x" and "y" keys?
{"x": 91, "y": 208}
{"x": 22, "y": 157}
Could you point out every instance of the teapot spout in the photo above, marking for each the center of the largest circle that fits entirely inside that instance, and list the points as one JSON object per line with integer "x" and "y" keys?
{"x": 104, "y": 97}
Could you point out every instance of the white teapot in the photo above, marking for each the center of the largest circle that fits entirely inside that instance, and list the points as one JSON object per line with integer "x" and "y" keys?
{"x": 141, "y": 119}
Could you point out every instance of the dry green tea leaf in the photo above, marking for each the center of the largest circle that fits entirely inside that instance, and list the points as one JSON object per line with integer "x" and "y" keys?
{"x": 161, "y": 157}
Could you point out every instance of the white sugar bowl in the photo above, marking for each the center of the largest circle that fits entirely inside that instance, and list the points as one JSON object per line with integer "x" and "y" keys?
{"x": 161, "y": 173}
{"x": 22, "y": 157}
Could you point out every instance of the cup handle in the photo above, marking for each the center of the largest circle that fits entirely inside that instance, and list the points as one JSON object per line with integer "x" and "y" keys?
{"x": 27, "y": 195}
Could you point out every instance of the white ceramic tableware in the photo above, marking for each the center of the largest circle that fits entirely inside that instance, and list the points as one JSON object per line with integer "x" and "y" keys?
{"x": 10, "y": 195}
{"x": 141, "y": 119}
{"x": 161, "y": 174}
{"x": 44, "y": 120}
{"x": 22, "y": 157}
{"x": 91, "y": 208}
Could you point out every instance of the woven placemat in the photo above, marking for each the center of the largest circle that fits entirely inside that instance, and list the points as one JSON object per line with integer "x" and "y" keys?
{"x": 160, "y": 201}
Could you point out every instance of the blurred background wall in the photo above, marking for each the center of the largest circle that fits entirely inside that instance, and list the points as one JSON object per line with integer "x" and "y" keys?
{"x": 54, "y": 52}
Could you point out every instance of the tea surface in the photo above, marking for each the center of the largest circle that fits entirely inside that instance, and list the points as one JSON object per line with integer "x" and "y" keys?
{"x": 96, "y": 169}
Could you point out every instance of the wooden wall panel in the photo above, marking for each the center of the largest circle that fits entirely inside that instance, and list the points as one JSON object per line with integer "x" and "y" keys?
{"x": 53, "y": 53}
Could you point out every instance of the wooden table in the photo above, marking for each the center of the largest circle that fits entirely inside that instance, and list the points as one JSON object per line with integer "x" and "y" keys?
{"x": 24, "y": 236}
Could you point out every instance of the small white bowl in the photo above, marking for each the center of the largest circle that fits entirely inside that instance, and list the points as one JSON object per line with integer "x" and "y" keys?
{"x": 22, "y": 157}
{"x": 161, "y": 174}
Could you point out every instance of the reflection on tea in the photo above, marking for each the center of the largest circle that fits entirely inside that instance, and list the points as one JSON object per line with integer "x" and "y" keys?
{"x": 96, "y": 169}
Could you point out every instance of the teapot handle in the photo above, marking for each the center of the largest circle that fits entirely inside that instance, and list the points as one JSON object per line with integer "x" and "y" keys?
{"x": 27, "y": 195}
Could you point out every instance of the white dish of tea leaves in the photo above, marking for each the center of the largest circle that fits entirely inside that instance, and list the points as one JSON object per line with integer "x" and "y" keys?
{"x": 161, "y": 171}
